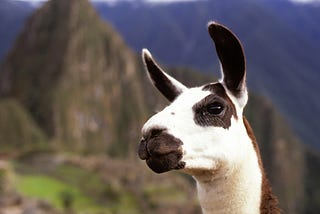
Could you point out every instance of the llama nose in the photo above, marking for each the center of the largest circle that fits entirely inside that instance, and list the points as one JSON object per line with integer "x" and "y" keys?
{"x": 143, "y": 151}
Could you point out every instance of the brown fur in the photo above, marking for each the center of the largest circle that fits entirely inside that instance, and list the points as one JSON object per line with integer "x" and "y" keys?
{"x": 269, "y": 202}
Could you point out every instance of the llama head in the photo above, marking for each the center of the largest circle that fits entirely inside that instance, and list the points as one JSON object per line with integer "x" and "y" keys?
{"x": 202, "y": 129}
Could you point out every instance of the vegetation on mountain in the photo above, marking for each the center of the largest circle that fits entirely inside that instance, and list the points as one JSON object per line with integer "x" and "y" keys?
{"x": 18, "y": 131}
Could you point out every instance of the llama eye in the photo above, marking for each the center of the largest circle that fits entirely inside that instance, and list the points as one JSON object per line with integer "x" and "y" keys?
{"x": 214, "y": 108}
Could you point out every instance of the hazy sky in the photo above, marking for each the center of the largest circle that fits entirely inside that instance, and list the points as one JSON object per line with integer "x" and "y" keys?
{"x": 305, "y": 1}
{"x": 117, "y": 0}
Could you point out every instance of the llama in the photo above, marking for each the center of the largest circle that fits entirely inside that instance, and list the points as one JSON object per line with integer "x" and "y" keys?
{"x": 203, "y": 133}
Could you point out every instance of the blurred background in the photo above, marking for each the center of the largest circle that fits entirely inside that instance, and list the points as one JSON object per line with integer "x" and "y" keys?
{"x": 74, "y": 96}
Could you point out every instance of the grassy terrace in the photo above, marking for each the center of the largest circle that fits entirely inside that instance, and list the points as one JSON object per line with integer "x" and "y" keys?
{"x": 56, "y": 192}
{"x": 70, "y": 187}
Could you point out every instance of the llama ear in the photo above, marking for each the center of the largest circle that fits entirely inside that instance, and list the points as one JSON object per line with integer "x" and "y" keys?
{"x": 231, "y": 55}
{"x": 167, "y": 85}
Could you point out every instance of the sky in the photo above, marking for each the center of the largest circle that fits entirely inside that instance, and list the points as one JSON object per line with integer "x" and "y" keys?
{"x": 117, "y": 0}
{"x": 305, "y": 1}
{"x": 301, "y": 1}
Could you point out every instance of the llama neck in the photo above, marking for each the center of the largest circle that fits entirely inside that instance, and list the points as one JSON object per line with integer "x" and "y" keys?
{"x": 238, "y": 191}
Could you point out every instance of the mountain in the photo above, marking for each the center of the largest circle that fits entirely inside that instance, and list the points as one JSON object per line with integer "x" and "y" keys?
{"x": 12, "y": 18}
{"x": 280, "y": 39}
{"x": 73, "y": 98}
{"x": 75, "y": 75}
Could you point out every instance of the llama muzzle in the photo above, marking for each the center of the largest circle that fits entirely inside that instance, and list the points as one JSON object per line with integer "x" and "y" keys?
{"x": 161, "y": 151}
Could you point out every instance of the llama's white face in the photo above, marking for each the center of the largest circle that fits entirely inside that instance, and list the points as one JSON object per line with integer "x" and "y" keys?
{"x": 202, "y": 127}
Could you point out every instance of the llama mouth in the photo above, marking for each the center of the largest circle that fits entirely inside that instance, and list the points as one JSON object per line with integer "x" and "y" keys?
{"x": 160, "y": 163}
{"x": 165, "y": 164}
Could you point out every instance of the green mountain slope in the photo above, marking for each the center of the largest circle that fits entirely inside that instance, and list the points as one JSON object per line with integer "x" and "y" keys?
{"x": 18, "y": 131}
{"x": 77, "y": 86}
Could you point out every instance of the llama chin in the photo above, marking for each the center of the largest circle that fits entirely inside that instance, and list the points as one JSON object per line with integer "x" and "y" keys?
{"x": 203, "y": 133}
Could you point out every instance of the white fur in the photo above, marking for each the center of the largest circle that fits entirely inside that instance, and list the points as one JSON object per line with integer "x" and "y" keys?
{"x": 235, "y": 185}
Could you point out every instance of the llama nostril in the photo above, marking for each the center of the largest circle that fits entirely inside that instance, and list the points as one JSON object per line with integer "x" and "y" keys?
{"x": 153, "y": 133}
{"x": 142, "y": 150}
